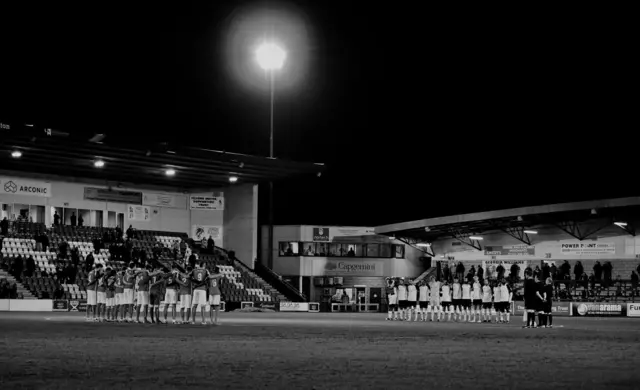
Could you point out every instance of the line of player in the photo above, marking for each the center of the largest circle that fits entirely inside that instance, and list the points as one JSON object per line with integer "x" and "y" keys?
{"x": 114, "y": 295}
{"x": 438, "y": 301}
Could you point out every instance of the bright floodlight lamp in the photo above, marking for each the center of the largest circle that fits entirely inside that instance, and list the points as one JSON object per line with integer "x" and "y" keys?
{"x": 270, "y": 56}
{"x": 475, "y": 238}
{"x": 233, "y": 179}
{"x": 98, "y": 163}
{"x": 170, "y": 172}
{"x": 16, "y": 154}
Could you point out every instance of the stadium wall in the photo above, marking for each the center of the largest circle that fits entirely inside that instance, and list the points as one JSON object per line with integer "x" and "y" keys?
{"x": 169, "y": 211}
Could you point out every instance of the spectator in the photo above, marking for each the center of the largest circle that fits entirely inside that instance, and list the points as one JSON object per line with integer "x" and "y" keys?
{"x": 607, "y": 268}
{"x": 592, "y": 281}
{"x": 18, "y": 267}
{"x": 13, "y": 291}
{"x": 446, "y": 272}
{"x": 45, "y": 241}
{"x": 192, "y": 261}
{"x": 546, "y": 271}
{"x": 59, "y": 292}
{"x": 460, "y": 271}
{"x": 80, "y": 220}
{"x": 157, "y": 251}
{"x": 578, "y": 270}
{"x": 89, "y": 261}
{"x": 4, "y": 226}
{"x": 130, "y": 232}
{"x": 73, "y": 219}
{"x": 212, "y": 245}
{"x": 63, "y": 248}
{"x": 203, "y": 244}
{"x": 4, "y": 292}
{"x": 597, "y": 270}
{"x": 514, "y": 271}
{"x": 118, "y": 232}
{"x": 500, "y": 270}
{"x": 565, "y": 270}
{"x": 183, "y": 248}
{"x": 480, "y": 273}
{"x": 56, "y": 218}
{"x": 554, "y": 271}
{"x": 537, "y": 273}
{"x": 30, "y": 266}
{"x": 634, "y": 283}
{"x": 618, "y": 286}
{"x": 471, "y": 274}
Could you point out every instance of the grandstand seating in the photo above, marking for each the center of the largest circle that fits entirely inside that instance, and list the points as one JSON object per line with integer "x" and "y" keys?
{"x": 238, "y": 284}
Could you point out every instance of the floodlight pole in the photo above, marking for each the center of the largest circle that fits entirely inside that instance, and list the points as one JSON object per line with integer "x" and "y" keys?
{"x": 271, "y": 91}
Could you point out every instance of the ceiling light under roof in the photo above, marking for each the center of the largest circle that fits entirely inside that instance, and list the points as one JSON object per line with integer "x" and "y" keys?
{"x": 531, "y": 232}
{"x": 16, "y": 154}
{"x": 98, "y": 163}
{"x": 423, "y": 244}
{"x": 477, "y": 238}
{"x": 233, "y": 179}
{"x": 621, "y": 224}
{"x": 170, "y": 172}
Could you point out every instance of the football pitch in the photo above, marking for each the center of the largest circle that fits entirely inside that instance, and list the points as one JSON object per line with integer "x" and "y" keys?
{"x": 316, "y": 351}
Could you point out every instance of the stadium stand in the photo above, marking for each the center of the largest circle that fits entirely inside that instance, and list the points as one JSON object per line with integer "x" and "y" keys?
{"x": 60, "y": 270}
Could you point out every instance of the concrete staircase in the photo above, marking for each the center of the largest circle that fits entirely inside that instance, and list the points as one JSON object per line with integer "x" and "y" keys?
{"x": 266, "y": 286}
{"x": 426, "y": 274}
{"x": 21, "y": 289}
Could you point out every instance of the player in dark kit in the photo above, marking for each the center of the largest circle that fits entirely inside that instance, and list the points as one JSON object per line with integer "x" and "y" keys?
{"x": 541, "y": 300}
{"x": 214, "y": 295}
{"x": 531, "y": 300}
{"x": 548, "y": 303}
{"x": 155, "y": 295}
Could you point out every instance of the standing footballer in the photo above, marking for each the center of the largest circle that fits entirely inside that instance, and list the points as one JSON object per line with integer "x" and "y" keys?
{"x": 214, "y": 294}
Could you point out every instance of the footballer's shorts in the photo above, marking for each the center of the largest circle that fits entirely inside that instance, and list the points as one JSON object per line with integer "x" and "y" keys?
{"x": 424, "y": 304}
{"x": 486, "y": 305}
{"x": 155, "y": 298}
{"x": 143, "y": 297}
{"x": 120, "y": 298}
{"x": 170, "y": 297}
{"x": 199, "y": 298}
{"x": 393, "y": 299}
{"x": 102, "y": 297}
{"x": 92, "y": 299}
{"x": 505, "y": 307}
{"x": 434, "y": 302}
{"x": 477, "y": 302}
{"x": 111, "y": 302}
{"x": 412, "y": 304}
{"x": 128, "y": 296}
{"x": 466, "y": 303}
{"x": 185, "y": 301}
{"x": 403, "y": 304}
{"x": 446, "y": 305}
{"x": 547, "y": 308}
{"x": 214, "y": 300}
{"x": 457, "y": 303}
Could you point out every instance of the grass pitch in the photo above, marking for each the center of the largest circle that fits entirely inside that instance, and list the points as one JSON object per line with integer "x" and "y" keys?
{"x": 316, "y": 351}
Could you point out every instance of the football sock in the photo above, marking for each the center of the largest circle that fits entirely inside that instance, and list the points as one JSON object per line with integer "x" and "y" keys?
{"x": 530, "y": 318}
{"x": 540, "y": 319}
{"x": 549, "y": 319}
{"x": 507, "y": 314}
{"x": 389, "y": 314}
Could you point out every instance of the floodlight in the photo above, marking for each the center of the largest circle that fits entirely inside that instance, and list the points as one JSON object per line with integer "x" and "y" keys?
{"x": 270, "y": 56}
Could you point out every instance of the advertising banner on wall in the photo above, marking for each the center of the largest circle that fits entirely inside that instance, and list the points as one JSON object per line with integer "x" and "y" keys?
{"x": 60, "y": 305}
{"x": 589, "y": 248}
{"x": 320, "y": 234}
{"x": 587, "y": 309}
{"x": 198, "y": 232}
{"x": 335, "y": 267}
{"x": 210, "y": 203}
{"x": 510, "y": 250}
{"x": 352, "y": 231}
{"x": 138, "y": 213}
{"x": 108, "y": 195}
{"x": 159, "y": 200}
{"x": 294, "y": 306}
{"x": 9, "y": 186}
{"x": 491, "y": 266}
{"x": 633, "y": 309}
{"x": 78, "y": 305}
{"x": 557, "y": 308}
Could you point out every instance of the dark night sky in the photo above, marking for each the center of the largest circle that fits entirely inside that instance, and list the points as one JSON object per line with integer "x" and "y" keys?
{"x": 416, "y": 113}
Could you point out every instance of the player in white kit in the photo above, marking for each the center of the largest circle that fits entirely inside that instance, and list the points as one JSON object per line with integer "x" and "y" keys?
{"x": 392, "y": 299}
{"x": 497, "y": 302}
{"x": 402, "y": 299}
{"x": 486, "y": 301}
{"x": 476, "y": 297}
{"x": 456, "y": 299}
{"x": 446, "y": 300}
{"x": 434, "y": 299}
{"x": 466, "y": 301}
{"x": 505, "y": 298}
{"x": 423, "y": 296}
{"x": 412, "y": 301}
